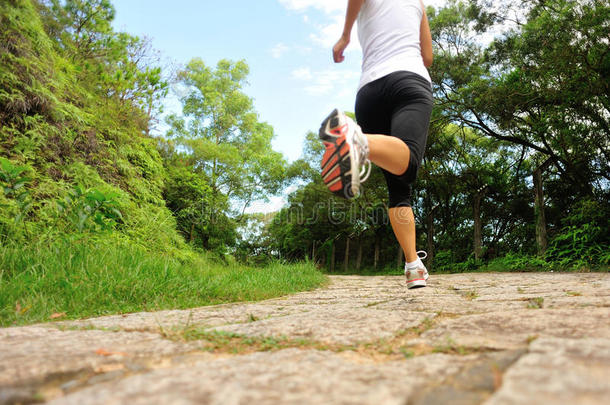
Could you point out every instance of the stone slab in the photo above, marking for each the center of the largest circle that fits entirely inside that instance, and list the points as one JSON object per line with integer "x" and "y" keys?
{"x": 30, "y": 356}
{"x": 514, "y": 329}
{"x": 341, "y": 324}
{"x": 289, "y": 376}
{"x": 558, "y": 371}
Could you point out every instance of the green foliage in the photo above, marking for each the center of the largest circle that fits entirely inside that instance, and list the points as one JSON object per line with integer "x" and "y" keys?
{"x": 12, "y": 178}
{"x": 228, "y": 160}
{"x": 90, "y": 210}
{"x": 201, "y": 213}
{"x": 584, "y": 239}
{"x": 76, "y": 101}
{"x": 518, "y": 262}
{"x": 224, "y": 139}
{"x": 85, "y": 220}
{"x": 541, "y": 85}
{"x": 13, "y": 181}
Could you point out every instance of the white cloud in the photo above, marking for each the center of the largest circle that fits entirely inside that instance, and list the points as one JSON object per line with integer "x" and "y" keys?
{"x": 335, "y": 6}
{"x": 327, "y": 82}
{"x": 328, "y": 34}
{"x": 435, "y": 3}
{"x": 273, "y": 205}
{"x": 327, "y": 6}
{"x": 278, "y": 50}
{"x": 327, "y": 25}
{"x": 302, "y": 74}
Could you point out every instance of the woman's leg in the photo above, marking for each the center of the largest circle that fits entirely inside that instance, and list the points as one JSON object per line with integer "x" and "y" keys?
{"x": 389, "y": 153}
{"x": 392, "y": 154}
{"x": 403, "y": 225}
{"x": 399, "y": 105}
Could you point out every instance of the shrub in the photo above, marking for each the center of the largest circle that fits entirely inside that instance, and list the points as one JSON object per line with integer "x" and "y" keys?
{"x": 584, "y": 239}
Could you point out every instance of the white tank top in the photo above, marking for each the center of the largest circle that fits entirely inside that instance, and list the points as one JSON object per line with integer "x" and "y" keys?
{"x": 388, "y": 31}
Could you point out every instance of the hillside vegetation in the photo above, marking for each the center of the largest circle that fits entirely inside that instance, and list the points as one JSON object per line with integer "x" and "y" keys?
{"x": 85, "y": 220}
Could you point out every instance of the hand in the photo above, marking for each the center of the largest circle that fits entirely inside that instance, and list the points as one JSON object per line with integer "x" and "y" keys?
{"x": 339, "y": 48}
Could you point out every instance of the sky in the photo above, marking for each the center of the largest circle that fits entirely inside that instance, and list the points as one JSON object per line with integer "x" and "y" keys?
{"x": 287, "y": 44}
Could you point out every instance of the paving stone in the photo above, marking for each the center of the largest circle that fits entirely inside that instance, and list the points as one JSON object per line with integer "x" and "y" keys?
{"x": 474, "y": 383}
{"x": 336, "y": 325}
{"x": 35, "y": 355}
{"x": 558, "y": 371}
{"x": 289, "y": 376}
{"x": 513, "y": 329}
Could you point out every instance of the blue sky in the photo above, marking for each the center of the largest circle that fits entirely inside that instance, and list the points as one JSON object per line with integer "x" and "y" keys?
{"x": 286, "y": 43}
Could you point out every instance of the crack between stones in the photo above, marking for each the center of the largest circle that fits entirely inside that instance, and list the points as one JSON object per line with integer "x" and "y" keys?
{"x": 59, "y": 384}
{"x": 472, "y": 384}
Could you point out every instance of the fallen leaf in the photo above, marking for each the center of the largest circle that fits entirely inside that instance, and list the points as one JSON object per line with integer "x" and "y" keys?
{"x": 497, "y": 374}
{"x": 56, "y": 315}
{"x": 19, "y": 310}
{"x": 106, "y": 368}
{"x": 104, "y": 352}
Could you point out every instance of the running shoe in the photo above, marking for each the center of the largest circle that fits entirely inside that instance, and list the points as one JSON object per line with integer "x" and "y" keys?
{"x": 416, "y": 272}
{"x": 345, "y": 164}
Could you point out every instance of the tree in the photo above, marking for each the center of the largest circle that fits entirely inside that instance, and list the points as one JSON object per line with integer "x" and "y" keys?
{"x": 223, "y": 140}
{"x": 542, "y": 85}
{"x": 223, "y": 134}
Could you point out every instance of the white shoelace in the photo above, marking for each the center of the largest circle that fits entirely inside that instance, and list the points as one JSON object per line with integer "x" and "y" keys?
{"x": 363, "y": 152}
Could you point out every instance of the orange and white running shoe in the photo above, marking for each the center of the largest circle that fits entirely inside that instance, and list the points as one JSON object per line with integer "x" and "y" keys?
{"x": 416, "y": 272}
{"x": 345, "y": 164}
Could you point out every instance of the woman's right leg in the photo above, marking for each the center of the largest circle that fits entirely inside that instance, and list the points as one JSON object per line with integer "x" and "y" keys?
{"x": 389, "y": 153}
{"x": 392, "y": 154}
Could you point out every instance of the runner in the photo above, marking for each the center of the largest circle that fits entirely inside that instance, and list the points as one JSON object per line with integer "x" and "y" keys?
{"x": 393, "y": 108}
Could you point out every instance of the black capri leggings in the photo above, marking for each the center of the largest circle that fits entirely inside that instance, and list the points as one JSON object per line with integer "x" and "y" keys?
{"x": 400, "y": 105}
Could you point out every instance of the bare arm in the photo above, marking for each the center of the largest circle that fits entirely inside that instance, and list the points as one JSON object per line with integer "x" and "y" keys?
{"x": 353, "y": 8}
{"x": 425, "y": 39}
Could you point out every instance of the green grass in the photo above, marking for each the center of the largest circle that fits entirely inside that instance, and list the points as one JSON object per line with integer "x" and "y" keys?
{"x": 535, "y": 303}
{"x": 100, "y": 277}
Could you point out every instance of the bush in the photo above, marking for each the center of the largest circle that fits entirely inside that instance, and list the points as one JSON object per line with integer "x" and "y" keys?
{"x": 445, "y": 261}
{"x": 517, "y": 262}
{"x": 584, "y": 239}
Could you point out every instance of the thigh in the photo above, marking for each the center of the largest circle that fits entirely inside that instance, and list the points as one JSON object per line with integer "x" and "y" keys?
{"x": 372, "y": 111}
{"x": 412, "y": 107}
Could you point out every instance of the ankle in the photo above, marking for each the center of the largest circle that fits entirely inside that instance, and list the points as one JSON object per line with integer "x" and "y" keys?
{"x": 411, "y": 257}
{"x": 413, "y": 263}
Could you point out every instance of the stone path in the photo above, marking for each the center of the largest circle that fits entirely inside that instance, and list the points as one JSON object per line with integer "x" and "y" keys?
{"x": 465, "y": 339}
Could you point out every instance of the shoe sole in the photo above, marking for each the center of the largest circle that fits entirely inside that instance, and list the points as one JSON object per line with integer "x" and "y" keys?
{"x": 336, "y": 169}
{"x": 417, "y": 283}
{"x": 418, "y": 280}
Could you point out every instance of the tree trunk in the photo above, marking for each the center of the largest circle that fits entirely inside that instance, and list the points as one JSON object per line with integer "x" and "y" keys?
{"x": 376, "y": 258}
{"x": 430, "y": 235}
{"x": 149, "y": 115}
{"x": 346, "y": 259}
{"x": 541, "y": 238}
{"x": 400, "y": 257}
{"x": 332, "y": 257}
{"x": 477, "y": 222}
{"x": 359, "y": 257}
{"x": 191, "y": 237}
{"x": 313, "y": 252}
